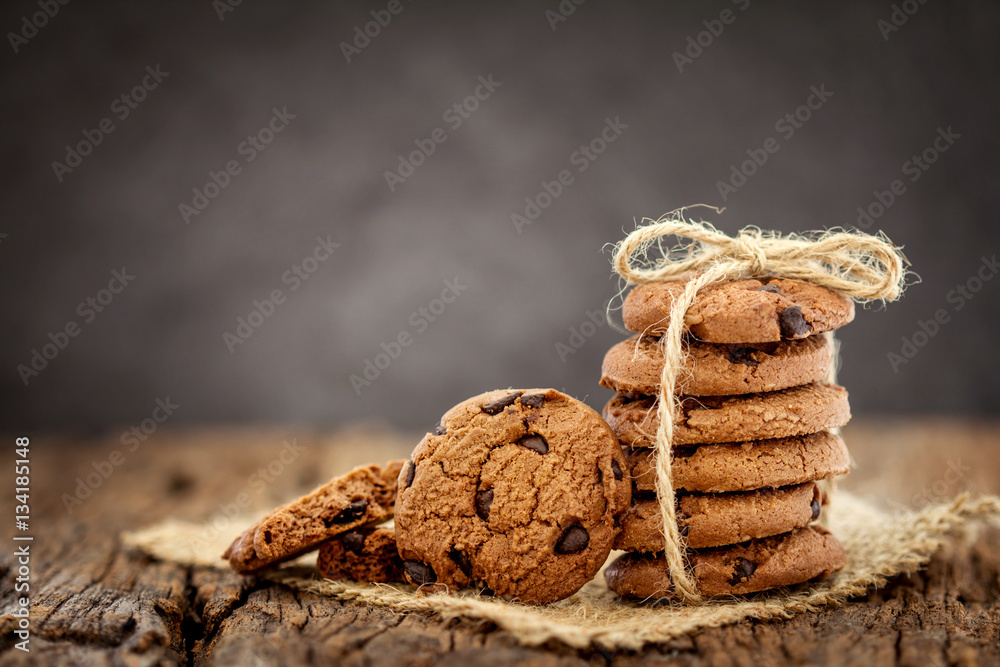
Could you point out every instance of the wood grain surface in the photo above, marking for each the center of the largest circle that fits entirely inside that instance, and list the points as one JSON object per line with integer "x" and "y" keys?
{"x": 97, "y": 603}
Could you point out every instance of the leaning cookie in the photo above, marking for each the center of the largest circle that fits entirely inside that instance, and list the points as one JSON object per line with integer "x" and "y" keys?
{"x": 362, "y": 554}
{"x": 757, "y": 565}
{"x": 517, "y": 490}
{"x": 743, "y": 466}
{"x": 740, "y": 311}
{"x": 717, "y": 519}
{"x": 711, "y": 419}
{"x": 363, "y": 496}
{"x": 635, "y": 365}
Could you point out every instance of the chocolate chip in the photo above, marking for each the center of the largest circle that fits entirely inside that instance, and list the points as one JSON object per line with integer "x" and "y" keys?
{"x": 617, "y": 470}
{"x": 742, "y": 355}
{"x": 462, "y": 561}
{"x": 533, "y": 400}
{"x": 440, "y": 429}
{"x": 411, "y": 470}
{"x": 483, "y": 501}
{"x": 419, "y": 573}
{"x": 793, "y": 324}
{"x": 352, "y": 512}
{"x": 353, "y": 541}
{"x": 742, "y": 570}
{"x": 573, "y": 540}
{"x": 497, "y": 406}
{"x": 535, "y": 443}
{"x": 816, "y": 509}
{"x": 774, "y": 289}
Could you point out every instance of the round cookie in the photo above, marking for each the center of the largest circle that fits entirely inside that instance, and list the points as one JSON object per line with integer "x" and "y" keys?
{"x": 363, "y": 554}
{"x": 718, "y": 519}
{"x": 743, "y": 466}
{"x": 635, "y": 365}
{"x": 711, "y": 419}
{"x": 363, "y": 496}
{"x": 517, "y": 490}
{"x": 758, "y": 565}
{"x": 740, "y": 311}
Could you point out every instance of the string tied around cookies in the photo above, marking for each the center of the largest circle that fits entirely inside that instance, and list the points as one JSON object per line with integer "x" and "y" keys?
{"x": 857, "y": 265}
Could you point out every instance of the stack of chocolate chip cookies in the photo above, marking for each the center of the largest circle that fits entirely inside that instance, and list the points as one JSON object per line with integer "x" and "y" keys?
{"x": 754, "y": 435}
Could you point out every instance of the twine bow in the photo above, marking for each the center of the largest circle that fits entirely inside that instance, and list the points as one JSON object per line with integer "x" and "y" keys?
{"x": 857, "y": 265}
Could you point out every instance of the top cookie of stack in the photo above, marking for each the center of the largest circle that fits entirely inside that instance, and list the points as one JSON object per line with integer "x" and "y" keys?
{"x": 763, "y": 310}
{"x": 752, "y": 433}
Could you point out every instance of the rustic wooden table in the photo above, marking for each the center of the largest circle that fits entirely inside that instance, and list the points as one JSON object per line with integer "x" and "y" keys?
{"x": 97, "y": 603}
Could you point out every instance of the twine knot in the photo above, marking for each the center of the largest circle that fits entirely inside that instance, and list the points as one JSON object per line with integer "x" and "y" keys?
{"x": 857, "y": 265}
{"x": 747, "y": 247}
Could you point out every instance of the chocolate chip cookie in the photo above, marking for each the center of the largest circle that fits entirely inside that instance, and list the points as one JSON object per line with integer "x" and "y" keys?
{"x": 635, "y": 365}
{"x": 710, "y": 419}
{"x": 362, "y": 554}
{"x": 363, "y": 496}
{"x": 740, "y": 311}
{"x": 515, "y": 490}
{"x": 757, "y": 565}
{"x": 716, "y": 519}
{"x": 743, "y": 466}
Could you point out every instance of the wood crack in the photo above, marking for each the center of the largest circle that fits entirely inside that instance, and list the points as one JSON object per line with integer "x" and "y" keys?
{"x": 192, "y": 626}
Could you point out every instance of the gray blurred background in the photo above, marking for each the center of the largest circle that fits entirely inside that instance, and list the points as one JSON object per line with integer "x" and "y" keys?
{"x": 520, "y": 294}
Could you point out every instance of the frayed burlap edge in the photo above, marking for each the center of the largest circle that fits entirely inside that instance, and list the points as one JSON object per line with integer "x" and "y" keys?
{"x": 879, "y": 546}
